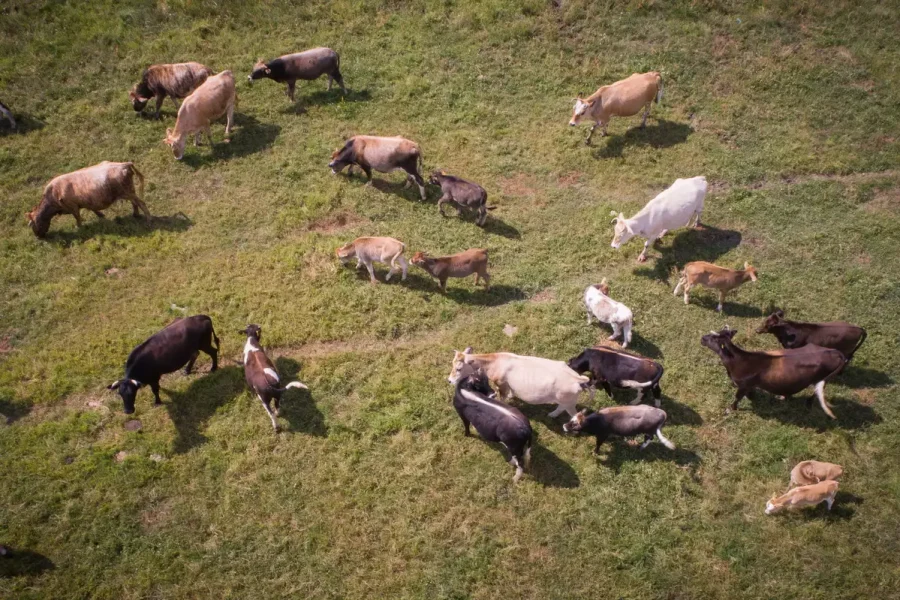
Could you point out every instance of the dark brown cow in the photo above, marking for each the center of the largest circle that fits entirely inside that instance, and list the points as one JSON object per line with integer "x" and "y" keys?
{"x": 306, "y": 65}
{"x": 261, "y": 375}
{"x": 839, "y": 335}
{"x": 176, "y": 81}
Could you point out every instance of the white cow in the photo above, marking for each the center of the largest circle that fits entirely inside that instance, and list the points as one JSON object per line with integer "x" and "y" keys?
{"x": 529, "y": 378}
{"x": 606, "y": 310}
{"x": 678, "y": 206}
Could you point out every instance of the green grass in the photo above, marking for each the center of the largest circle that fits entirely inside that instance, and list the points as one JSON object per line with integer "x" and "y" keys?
{"x": 790, "y": 109}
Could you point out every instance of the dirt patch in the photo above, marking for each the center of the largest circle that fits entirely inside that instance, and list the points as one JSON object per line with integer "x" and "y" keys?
{"x": 865, "y": 396}
{"x": 521, "y": 185}
{"x": 885, "y": 201}
{"x": 723, "y": 45}
{"x": 5, "y": 345}
{"x": 157, "y": 516}
{"x": 570, "y": 179}
{"x": 545, "y": 295}
{"x": 318, "y": 263}
{"x": 863, "y": 259}
{"x": 335, "y": 222}
{"x": 866, "y": 85}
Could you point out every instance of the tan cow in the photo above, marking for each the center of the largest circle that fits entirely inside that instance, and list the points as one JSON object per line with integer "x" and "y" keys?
{"x": 93, "y": 188}
{"x": 384, "y": 154}
{"x": 809, "y": 472}
{"x": 623, "y": 98}
{"x": 213, "y": 99}
{"x": 462, "y": 264}
{"x": 367, "y": 250}
{"x": 807, "y": 495}
{"x": 713, "y": 276}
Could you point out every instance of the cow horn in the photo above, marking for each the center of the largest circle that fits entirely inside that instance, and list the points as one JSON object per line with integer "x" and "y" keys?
{"x": 113, "y": 385}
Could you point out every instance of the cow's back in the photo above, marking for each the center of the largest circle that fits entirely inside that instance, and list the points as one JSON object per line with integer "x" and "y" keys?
{"x": 631, "y": 420}
{"x": 381, "y": 249}
{"x": 94, "y": 185}
{"x": 533, "y": 378}
{"x": 674, "y": 206}
{"x": 208, "y": 102}
{"x": 385, "y": 153}
{"x": 627, "y": 96}
{"x": 169, "y": 349}
{"x": 310, "y": 64}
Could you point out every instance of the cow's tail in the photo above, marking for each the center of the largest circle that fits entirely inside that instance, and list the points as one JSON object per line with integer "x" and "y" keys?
{"x": 659, "y": 89}
{"x": 665, "y": 441}
{"x": 528, "y": 452}
{"x": 859, "y": 343}
{"x": 140, "y": 177}
{"x": 293, "y": 384}
{"x": 215, "y": 337}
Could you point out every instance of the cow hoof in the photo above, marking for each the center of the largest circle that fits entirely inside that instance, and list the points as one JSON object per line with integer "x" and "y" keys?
{"x": 642, "y": 259}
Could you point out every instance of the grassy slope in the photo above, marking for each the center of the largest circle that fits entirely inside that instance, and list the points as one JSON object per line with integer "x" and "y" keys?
{"x": 372, "y": 491}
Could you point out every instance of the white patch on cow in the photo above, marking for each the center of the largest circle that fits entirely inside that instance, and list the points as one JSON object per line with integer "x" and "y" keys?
{"x": 474, "y": 398}
{"x": 271, "y": 373}
{"x": 636, "y": 385}
{"x": 248, "y": 348}
{"x": 135, "y": 382}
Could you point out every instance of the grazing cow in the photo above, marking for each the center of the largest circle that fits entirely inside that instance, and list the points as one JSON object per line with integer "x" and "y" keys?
{"x": 781, "y": 372}
{"x": 677, "y": 206}
{"x": 613, "y": 368}
{"x": 623, "y": 98}
{"x": 494, "y": 421}
{"x": 384, "y": 154}
{"x": 606, "y": 310}
{"x": 214, "y": 98}
{"x": 529, "y": 378}
{"x": 7, "y": 114}
{"x": 166, "y": 351}
{"x": 176, "y": 81}
{"x": 93, "y": 188}
{"x": 624, "y": 421}
{"x": 715, "y": 277}
{"x": 367, "y": 250}
{"x": 839, "y": 335}
{"x": 463, "y": 264}
{"x": 807, "y": 495}
{"x": 809, "y": 472}
{"x": 462, "y": 194}
{"x": 261, "y": 375}
{"x": 306, "y": 65}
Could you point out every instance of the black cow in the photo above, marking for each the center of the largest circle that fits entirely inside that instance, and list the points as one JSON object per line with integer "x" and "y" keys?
{"x": 5, "y": 113}
{"x": 261, "y": 375}
{"x": 841, "y": 336}
{"x": 476, "y": 404}
{"x": 306, "y": 65}
{"x": 166, "y": 351}
{"x": 613, "y": 368}
{"x": 461, "y": 194}
{"x": 625, "y": 421}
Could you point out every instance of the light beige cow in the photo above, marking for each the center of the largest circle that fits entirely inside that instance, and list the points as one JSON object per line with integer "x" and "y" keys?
{"x": 213, "y": 99}
{"x": 623, "y": 98}
{"x": 715, "y": 277}
{"x": 807, "y": 495}
{"x": 812, "y": 471}
{"x": 367, "y": 250}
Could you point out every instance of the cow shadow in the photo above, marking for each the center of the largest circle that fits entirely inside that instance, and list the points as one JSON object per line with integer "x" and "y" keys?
{"x": 10, "y": 411}
{"x": 302, "y": 414}
{"x": 497, "y": 295}
{"x": 322, "y": 97}
{"x": 398, "y": 188}
{"x": 643, "y": 346}
{"x": 24, "y": 124}
{"x": 706, "y": 243}
{"x": 541, "y": 414}
{"x": 249, "y": 137}
{"x": 862, "y": 377}
{"x": 191, "y": 409}
{"x": 679, "y": 413}
{"x": 495, "y": 226}
{"x": 127, "y": 226}
{"x": 804, "y": 411}
{"x": 618, "y": 452}
{"x": 843, "y": 509}
{"x": 546, "y": 467}
{"x": 730, "y": 309}
{"x": 662, "y": 135}
{"x": 24, "y": 562}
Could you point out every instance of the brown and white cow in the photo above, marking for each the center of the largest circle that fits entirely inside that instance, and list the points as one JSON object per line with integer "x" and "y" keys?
{"x": 844, "y": 337}
{"x": 173, "y": 80}
{"x": 93, "y": 188}
{"x": 213, "y": 99}
{"x": 807, "y": 495}
{"x": 463, "y": 264}
{"x": 623, "y": 98}
{"x": 809, "y": 472}
{"x": 367, "y": 250}
{"x": 384, "y": 154}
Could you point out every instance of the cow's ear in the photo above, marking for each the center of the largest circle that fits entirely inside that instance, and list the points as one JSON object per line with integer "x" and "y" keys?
{"x": 779, "y": 313}
{"x": 468, "y": 350}
{"x": 113, "y": 385}
{"x": 268, "y": 71}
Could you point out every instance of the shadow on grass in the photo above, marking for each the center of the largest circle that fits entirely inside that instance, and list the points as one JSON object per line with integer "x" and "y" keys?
{"x": 618, "y": 452}
{"x": 546, "y": 467}
{"x": 729, "y": 309}
{"x": 398, "y": 188}
{"x": 841, "y": 510}
{"x": 297, "y": 406}
{"x": 678, "y": 413}
{"x": 662, "y": 135}
{"x": 804, "y": 411}
{"x": 861, "y": 377}
{"x": 492, "y": 224}
{"x": 459, "y": 290}
{"x": 322, "y": 97}
{"x": 707, "y": 244}
{"x": 121, "y": 227}
{"x": 10, "y": 412}
{"x": 191, "y": 409}
{"x": 249, "y": 137}
{"x": 24, "y": 124}
{"x": 24, "y": 562}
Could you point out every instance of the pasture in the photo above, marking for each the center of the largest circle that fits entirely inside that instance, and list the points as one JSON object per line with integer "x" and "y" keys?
{"x": 790, "y": 109}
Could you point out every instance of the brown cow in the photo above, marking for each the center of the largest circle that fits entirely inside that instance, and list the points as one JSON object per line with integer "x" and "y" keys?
{"x": 384, "y": 154}
{"x": 93, "y": 188}
{"x": 306, "y": 65}
{"x": 216, "y": 97}
{"x": 621, "y": 99}
{"x": 463, "y": 264}
{"x": 841, "y": 336}
{"x": 176, "y": 81}
{"x": 713, "y": 276}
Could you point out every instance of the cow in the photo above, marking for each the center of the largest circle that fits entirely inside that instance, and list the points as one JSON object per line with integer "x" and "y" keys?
{"x": 463, "y": 264}
{"x": 166, "y": 351}
{"x": 476, "y": 404}
{"x": 809, "y": 472}
{"x": 610, "y": 368}
{"x": 384, "y": 154}
{"x": 841, "y": 336}
{"x": 214, "y": 98}
{"x": 623, "y": 98}
{"x": 807, "y": 495}
{"x": 715, "y": 277}
{"x": 367, "y": 250}
{"x": 781, "y": 372}
{"x": 93, "y": 188}
{"x": 624, "y": 421}
{"x": 529, "y": 378}
{"x": 306, "y": 65}
{"x": 606, "y": 310}
{"x": 176, "y": 81}
{"x": 678, "y": 206}
{"x": 462, "y": 194}
{"x": 261, "y": 375}
{"x": 5, "y": 113}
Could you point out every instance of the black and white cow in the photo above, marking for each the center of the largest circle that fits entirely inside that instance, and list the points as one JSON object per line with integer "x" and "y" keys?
{"x": 166, "y": 351}
{"x": 261, "y": 375}
{"x": 613, "y": 368}
{"x": 624, "y": 421}
{"x": 476, "y": 404}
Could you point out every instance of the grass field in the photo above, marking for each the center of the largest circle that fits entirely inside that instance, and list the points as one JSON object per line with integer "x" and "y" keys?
{"x": 790, "y": 109}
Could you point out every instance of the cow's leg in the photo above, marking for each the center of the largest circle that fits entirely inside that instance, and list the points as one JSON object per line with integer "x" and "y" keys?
{"x": 159, "y": 101}
{"x": 340, "y": 80}
{"x": 592, "y": 391}
{"x": 77, "y": 214}
{"x": 371, "y": 271}
{"x": 197, "y": 138}
{"x": 99, "y": 214}
{"x": 466, "y": 431}
{"x": 175, "y": 102}
{"x": 330, "y": 79}
{"x": 269, "y": 412}
{"x": 607, "y": 388}
{"x": 209, "y": 135}
{"x": 643, "y": 256}
{"x": 646, "y": 113}
{"x": 487, "y": 280}
{"x": 359, "y": 263}
{"x": 820, "y": 394}
{"x": 721, "y": 301}
{"x": 615, "y": 333}
{"x": 443, "y": 199}
{"x": 212, "y": 352}
{"x": 678, "y": 286}
{"x": 638, "y": 398}
{"x": 587, "y": 140}
{"x": 443, "y": 284}
{"x": 368, "y": 171}
{"x": 687, "y": 291}
{"x": 230, "y": 122}
{"x": 647, "y": 439}
{"x": 154, "y": 387}
{"x": 413, "y": 173}
{"x": 737, "y": 398}
{"x": 600, "y": 440}
{"x": 137, "y": 203}
{"x": 657, "y": 395}
{"x": 482, "y": 215}
{"x": 404, "y": 266}
{"x": 505, "y": 392}
{"x": 190, "y": 364}
{"x": 589, "y": 313}
{"x": 291, "y": 85}
{"x": 626, "y": 334}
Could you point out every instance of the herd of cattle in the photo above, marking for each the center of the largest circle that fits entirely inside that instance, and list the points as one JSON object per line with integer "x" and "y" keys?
{"x": 812, "y": 354}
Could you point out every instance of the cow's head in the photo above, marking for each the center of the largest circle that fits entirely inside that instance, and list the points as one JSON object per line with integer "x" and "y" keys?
{"x": 576, "y": 423}
{"x": 771, "y": 322}
{"x": 436, "y": 177}
{"x": 477, "y": 381}
{"x": 260, "y": 70}
{"x": 603, "y": 287}
{"x": 463, "y": 365}
{"x": 580, "y": 110}
{"x": 622, "y": 232}
{"x": 419, "y": 259}
{"x": 127, "y": 389}
{"x": 346, "y": 252}
{"x": 176, "y": 142}
{"x": 137, "y": 101}
{"x": 39, "y": 219}
{"x": 750, "y": 270}
{"x": 252, "y": 330}
{"x": 716, "y": 341}
{"x": 771, "y": 507}
{"x": 341, "y": 157}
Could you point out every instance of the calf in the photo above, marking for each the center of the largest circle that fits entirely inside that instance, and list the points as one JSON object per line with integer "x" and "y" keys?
{"x": 809, "y": 472}
{"x": 624, "y": 421}
{"x": 678, "y": 206}
{"x": 606, "y": 310}
{"x": 306, "y": 65}
{"x": 807, "y": 495}
{"x": 261, "y": 375}
{"x": 384, "y": 154}
{"x": 621, "y": 99}
{"x": 614, "y": 368}
{"x": 7, "y": 114}
{"x": 494, "y": 421}
{"x": 214, "y": 98}
{"x": 782, "y": 372}
{"x": 529, "y": 378}
{"x": 712, "y": 276}
{"x": 93, "y": 188}
{"x": 461, "y": 194}
{"x": 367, "y": 250}
{"x": 474, "y": 260}
{"x": 175, "y": 81}
{"x": 841, "y": 336}
{"x": 166, "y": 351}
